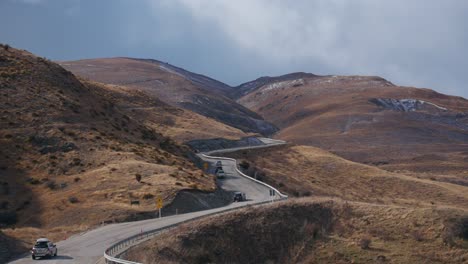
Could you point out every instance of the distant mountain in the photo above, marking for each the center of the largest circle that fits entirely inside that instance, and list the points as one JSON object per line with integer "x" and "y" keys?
{"x": 366, "y": 119}
{"x": 199, "y": 80}
{"x": 251, "y": 86}
{"x": 175, "y": 86}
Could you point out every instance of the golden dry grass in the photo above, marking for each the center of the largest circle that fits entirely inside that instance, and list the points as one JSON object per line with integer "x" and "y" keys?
{"x": 71, "y": 151}
{"x": 176, "y": 123}
{"x": 300, "y": 170}
{"x": 311, "y": 230}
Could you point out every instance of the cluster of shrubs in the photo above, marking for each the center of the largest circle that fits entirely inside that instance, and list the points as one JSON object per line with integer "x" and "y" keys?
{"x": 455, "y": 228}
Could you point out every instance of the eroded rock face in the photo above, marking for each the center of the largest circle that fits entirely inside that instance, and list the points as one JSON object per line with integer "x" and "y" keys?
{"x": 406, "y": 105}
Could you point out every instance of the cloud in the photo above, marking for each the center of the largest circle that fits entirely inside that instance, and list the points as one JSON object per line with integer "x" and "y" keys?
{"x": 416, "y": 43}
{"x": 398, "y": 39}
{"x": 28, "y": 1}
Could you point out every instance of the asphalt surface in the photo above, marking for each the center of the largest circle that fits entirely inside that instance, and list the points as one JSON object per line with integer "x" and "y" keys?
{"x": 88, "y": 247}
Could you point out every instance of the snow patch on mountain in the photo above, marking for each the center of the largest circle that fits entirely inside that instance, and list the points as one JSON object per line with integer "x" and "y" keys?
{"x": 284, "y": 84}
{"x": 404, "y": 105}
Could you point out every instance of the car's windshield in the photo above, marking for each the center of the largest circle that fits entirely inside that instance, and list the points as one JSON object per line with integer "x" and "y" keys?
{"x": 41, "y": 245}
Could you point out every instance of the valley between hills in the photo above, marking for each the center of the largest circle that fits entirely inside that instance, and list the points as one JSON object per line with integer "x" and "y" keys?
{"x": 375, "y": 172}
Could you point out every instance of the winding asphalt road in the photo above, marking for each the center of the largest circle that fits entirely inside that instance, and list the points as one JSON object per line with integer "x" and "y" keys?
{"x": 88, "y": 247}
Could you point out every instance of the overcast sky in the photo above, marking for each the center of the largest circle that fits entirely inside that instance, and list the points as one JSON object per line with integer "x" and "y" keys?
{"x": 420, "y": 43}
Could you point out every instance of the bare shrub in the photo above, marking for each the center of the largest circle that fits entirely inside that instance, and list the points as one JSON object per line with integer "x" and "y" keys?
{"x": 417, "y": 235}
{"x": 244, "y": 165}
{"x": 448, "y": 237}
{"x": 51, "y": 185}
{"x": 168, "y": 121}
{"x": 365, "y": 242}
{"x": 33, "y": 181}
{"x": 455, "y": 228}
{"x": 73, "y": 199}
{"x": 148, "y": 196}
{"x": 138, "y": 177}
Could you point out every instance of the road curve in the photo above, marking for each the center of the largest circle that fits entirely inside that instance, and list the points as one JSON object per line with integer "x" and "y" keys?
{"x": 88, "y": 247}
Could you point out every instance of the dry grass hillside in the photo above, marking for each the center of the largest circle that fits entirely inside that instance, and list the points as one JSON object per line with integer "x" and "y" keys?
{"x": 172, "y": 85}
{"x": 73, "y": 156}
{"x": 370, "y": 120}
{"x": 316, "y": 231}
{"x": 177, "y": 123}
{"x": 305, "y": 171}
{"x": 355, "y": 213}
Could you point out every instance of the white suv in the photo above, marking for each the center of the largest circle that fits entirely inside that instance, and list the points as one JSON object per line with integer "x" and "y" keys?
{"x": 43, "y": 248}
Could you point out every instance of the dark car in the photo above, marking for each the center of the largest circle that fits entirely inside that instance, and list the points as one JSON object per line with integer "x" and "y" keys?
{"x": 239, "y": 197}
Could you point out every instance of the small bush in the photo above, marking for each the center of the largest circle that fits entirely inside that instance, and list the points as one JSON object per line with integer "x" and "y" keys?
{"x": 51, "y": 185}
{"x": 77, "y": 179}
{"x": 244, "y": 165}
{"x": 138, "y": 177}
{"x": 34, "y": 181}
{"x": 365, "y": 243}
{"x": 76, "y": 161}
{"x": 148, "y": 196}
{"x": 417, "y": 235}
{"x": 455, "y": 228}
{"x": 73, "y": 199}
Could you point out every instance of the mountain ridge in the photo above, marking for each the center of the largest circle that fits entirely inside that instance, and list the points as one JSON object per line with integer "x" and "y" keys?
{"x": 169, "y": 84}
{"x": 368, "y": 119}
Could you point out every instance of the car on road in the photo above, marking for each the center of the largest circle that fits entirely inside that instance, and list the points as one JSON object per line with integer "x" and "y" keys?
{"x": 239, "y": 197}
{"x": 220, "y": 174}
{"x": 43, "y": 248}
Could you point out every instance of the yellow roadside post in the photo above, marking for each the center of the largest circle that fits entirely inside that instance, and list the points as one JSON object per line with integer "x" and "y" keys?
{"x": 159, "y": 204}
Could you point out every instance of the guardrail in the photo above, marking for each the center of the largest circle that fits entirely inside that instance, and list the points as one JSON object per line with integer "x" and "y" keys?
{"x": 282, "y": 196}
{"x": 111, "y": 254}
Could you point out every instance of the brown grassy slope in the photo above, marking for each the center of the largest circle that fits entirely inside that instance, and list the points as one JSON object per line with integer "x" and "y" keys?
{"x": 336, "y": 113}
{"x": 177, "y": 123}
{"x": 70, "y": 156}
{"x": 304, "y": 170}
{"x": 311, "y": 231}
{"x": 160, "y": 80}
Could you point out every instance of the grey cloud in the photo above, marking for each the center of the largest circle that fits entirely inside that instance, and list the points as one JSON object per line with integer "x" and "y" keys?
{"x": 415, "y": 43}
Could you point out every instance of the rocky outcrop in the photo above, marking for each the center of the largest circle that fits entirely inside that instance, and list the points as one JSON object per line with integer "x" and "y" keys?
{"x": 406, "y": 105}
